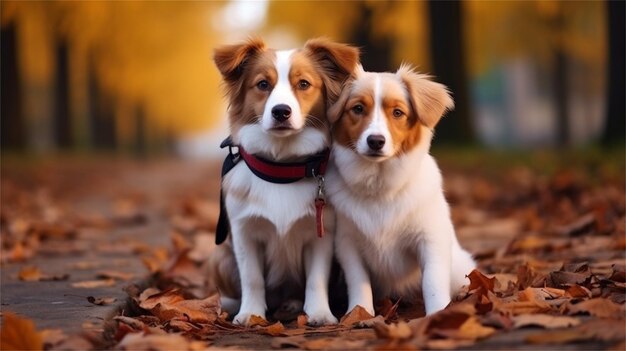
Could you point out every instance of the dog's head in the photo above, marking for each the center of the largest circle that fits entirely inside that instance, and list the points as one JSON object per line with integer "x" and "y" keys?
{"x": 382, "y": 115}
{"x": 282, "y": 93}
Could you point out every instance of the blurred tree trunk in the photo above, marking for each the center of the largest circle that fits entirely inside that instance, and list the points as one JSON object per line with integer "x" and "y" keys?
{"x": 11, "y": 117}
{"x": 102, "y": 124}
{"x": 560, "y": 83}
{"x": 615, "y": 113}
{"x": 62, "y": 119}
{"x": 448, "y": 61}
{"x": 376, "y": 51}
{"x": 140, "y": 144}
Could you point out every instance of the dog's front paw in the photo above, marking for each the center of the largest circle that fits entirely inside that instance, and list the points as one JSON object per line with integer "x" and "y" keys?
{"x": 243, "y": 318}
{"x": 320, "y": 318}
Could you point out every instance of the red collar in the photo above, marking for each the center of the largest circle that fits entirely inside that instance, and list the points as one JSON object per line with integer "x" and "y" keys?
{"x": 286, "y": 172}
{"x": 313, "y": 166}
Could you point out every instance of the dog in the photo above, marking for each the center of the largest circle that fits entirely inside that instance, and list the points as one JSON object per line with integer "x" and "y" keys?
{"x": 393, "y": 226}
{"x": 278, "y": 102}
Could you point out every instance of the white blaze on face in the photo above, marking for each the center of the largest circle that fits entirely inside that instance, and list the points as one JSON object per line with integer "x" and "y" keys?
{"x": 378, "y": 125}
{"x": 282, "y": 94}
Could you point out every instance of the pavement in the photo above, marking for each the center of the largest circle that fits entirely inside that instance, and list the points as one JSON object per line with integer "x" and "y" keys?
{"x": 93, "y": 251}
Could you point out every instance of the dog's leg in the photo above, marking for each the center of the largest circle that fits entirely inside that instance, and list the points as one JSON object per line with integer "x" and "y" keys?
{"x": 435, "y": 252}
{"x": 462, "y": 265}
{"x": 250, "y": 266}
{"x": 357, "y": 277}
{"x": 317, "y": 259}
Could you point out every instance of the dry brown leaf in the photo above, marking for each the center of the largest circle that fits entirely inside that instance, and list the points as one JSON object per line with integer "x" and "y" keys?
{"x": 115, "y": 275}
{"x": 399, "y": 331}
{"x": 158, "y": 342}
{"x": 527, "y": 276}
{"x": 101, "y": 301}
{"x": 357, "y": 314}
{"x": 30, "y": 273}
{"x": 599, "y": 307}
{"x": 302, "y": 321}
{"x": 481, "y": 283}
{"x": 135, "y": 324}
{"x": 522, "y": 307}
{"x": 275, "y": 329}
{"x": 19, "y": 333}
{"x": 52, "y": 337}
{"x": 171, "y": 304}
{"x": 577, "y": 291}
{"x": 257, "y": 321}
{"x": 90, "y": 284}
{"x": 559, "y": 278}
{"x": 544, "y": 320}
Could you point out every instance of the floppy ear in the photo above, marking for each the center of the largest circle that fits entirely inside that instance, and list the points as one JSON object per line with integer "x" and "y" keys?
{"x": 231, "y": 59}
{"x": 429, "y": 100}
{"x": 337, "y": 62}
{"x": 336, "y": 110}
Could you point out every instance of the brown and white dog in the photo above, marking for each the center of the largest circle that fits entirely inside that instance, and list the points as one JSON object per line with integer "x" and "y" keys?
{"x": 277, "y": 111}
{"x": 393, "y": 228}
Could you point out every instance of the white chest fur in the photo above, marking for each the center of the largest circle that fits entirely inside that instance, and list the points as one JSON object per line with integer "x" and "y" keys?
{"x": 281, "y": 204}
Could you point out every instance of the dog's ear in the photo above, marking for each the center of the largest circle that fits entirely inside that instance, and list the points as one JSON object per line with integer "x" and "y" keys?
{"x": 430, "y": 100}
{"x": 337, "y": 62}
{"x": 338, "y": 108}
{"x": 231, "y": 59}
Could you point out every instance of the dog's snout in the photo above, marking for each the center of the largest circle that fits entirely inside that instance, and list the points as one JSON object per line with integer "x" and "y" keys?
{"x": 376, "y": 142}
{"x": 281, "y": 112}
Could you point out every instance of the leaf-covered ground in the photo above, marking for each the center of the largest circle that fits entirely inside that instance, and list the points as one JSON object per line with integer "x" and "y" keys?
{"x": 547, "y": 231}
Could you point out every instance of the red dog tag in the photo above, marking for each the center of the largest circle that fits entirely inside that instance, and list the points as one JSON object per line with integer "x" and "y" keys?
{"x": 319, "y": 215}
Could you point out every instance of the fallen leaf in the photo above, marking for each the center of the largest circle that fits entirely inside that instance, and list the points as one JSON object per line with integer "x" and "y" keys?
{"x": 544, "y": 320}
{"x": 527, "y": 276}
{"x": 399, "y": 331}
{"x": 90, "y": 284}
{"x": 481, "y": 283}
{"x": 257, "y": 321}
{"x": 577, "y": 291}
{"x": 598, "y": 307}
{"x": 357, "y": 314}
{"x": 30, "y": 273}
{"x": 302, "y": 321}
{"x": 101, "y": 300}
{"x": 275, "y": 329}
{"x": 171, "y": 304}
{"x": 19, "y": 333}
{"x": 52, "y": 337}
{"x": 158, "y": 342}
{"x": 115, "y": 275}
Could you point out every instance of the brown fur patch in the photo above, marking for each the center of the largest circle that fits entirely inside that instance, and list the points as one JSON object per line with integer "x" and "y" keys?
{"x": 323, "y": 63}
{"x": 423, "y": 102}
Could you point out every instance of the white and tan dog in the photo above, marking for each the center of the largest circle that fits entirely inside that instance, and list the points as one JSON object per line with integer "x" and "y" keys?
{"x": 393, "y": 223}
{"x": 277, "y": 113}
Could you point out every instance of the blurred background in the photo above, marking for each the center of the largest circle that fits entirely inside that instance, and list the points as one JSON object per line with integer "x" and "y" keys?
{"x": 137, "y": 77}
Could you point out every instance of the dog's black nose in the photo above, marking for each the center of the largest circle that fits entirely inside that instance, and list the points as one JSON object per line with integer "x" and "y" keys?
{"x": 281, "y": 112}
{"x": 376, "y": 142}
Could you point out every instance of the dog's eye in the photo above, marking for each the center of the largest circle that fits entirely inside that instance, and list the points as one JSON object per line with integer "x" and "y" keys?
{"x": 303, "y": 84}
{"x": 358, "y": 109}
{"x": 263, "y": 85}
{"x": 397, "y": 113}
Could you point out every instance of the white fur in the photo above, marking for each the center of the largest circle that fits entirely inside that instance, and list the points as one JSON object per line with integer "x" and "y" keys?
{"x": 378, "y": 125}
{"x": 273, "y": 226}
{"x": 393, "y": 227}
{"x": 282, "y": 93}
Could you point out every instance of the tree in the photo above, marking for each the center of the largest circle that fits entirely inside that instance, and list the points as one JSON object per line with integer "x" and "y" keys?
{"x": 615, "y": 114}
{"x": 12, "y": 120}
{"x": 448, "y": 61}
